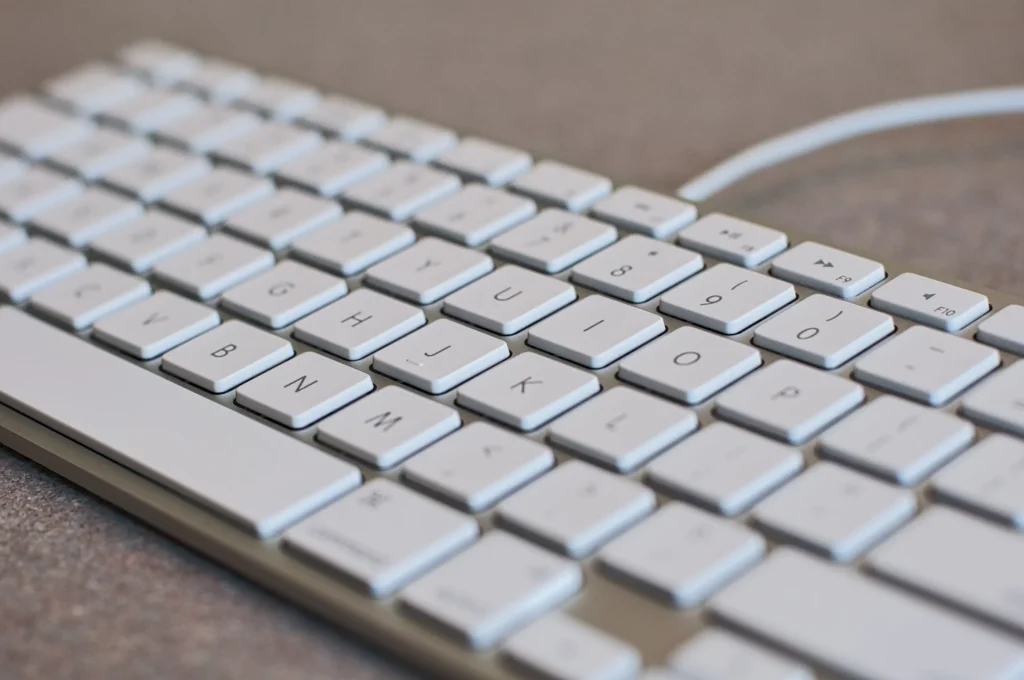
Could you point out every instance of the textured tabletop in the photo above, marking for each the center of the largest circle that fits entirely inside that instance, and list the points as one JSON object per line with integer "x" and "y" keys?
{"x": 648, "y": 92}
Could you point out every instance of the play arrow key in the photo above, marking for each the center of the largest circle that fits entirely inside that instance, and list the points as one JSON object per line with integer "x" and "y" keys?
{"x": 823, "y": 263}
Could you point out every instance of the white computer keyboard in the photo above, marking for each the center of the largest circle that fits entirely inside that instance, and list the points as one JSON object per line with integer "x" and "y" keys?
{"x": 494, "y": 414}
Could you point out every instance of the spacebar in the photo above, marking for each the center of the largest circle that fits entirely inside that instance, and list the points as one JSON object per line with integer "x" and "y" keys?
{"x": 251, "y": 474}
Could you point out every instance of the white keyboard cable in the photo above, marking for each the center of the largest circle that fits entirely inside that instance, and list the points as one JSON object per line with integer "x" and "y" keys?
{"x": 857, "y": 123}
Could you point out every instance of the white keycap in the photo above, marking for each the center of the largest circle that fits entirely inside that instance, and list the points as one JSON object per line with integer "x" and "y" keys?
{"x": 94, "y": 87}
{"x": 553, "y": 240}
{"x": 212, "y": 266}
{"x": 934, "y": 303}
{"x": 11, "y": 236}
{"x": 151, "y": 109}
{"x": 559, "y": 646}
{"x": 81, "y": 219}
{"x": 34, "y": 265}
{"x": 277, "y": 220}
{"x": 208, "y": 128}
{"x": 1004, "y": 329}
{"x": 440, "y": 356}
{"x": 333, "y": 167}
{"x": 344, "y": 117}
{"x": 268, "y": 147}
{"x": 220, "y": 81}
{"x": 645, "y": 212}
{"x": 727, "y": 298}
{"x": 733, "y": 240}
{"x": 714, "y": 654}
{"x": 410, "y": 138}
{"x": 381, "y": 536}
{"x": 402, "y": 190}
{"x": 155, "y": 325}
{"x": 100, "y": 153}
{"x": 595, "y": 331}
{"x": 835, "y": 511}
{"x": 725, "y": 468}
{"x": 823, "y": 331}
{"x": 637, "y": 268}
{"x": 159, "y": 172}
{"x": 35, "y": 130}
{"x": 509, "y": 299}
{"x": 475, "y": 215}
{"x": 214, "y": 197}
{"x": 353, "y": 243}
{"x": 160, "y": 61}
{"x": 689, "y": 364}
{"x": 82, "y": 298}
{"x": 280, "y": 296}
{"x": 280, "y": 98}
{"x": 789, "y": 401}
{"x": 388, "y": 426}
{"x": 428, "y": 271}
{"x": 227, "y": 356}
{"x": 303, "y": 390}
{"x": 622, "y": 428}
{"x": 493, "y": 588}
{"x": 481, "y": 160}
{"x": 562, "y": 186}
{"x": 999, "y": 401}
{"x": 683, "y": 554}
{"x": 827, "y": 269}
{"x": 359, "y": 324}
{"x": 10, "y": 167}
{"x": 527, "y": 391}
{"x": 576, "y": 508}
{"x": 962, "y": 560}
{"x": 37, "y": 190}
{"x": 142, "y": 243}
{"x": 897, "y": 439}
{"x": 926, "y": 365}
{"x": 988, "y": 479}
{"x": 478, "y": 465}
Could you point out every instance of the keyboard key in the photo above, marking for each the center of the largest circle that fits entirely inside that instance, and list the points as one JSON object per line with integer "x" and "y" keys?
{"x": 481, "y": 160}
{"x": 280, "y": 296}
{"x": 142, "y": 243}
{"x": 509, "y": 299}
{"x": 622, "y": 428}
{"x": 388, "y": 426}
{"x": 94, "y": 87}
{"x": 595, "y": 331}
{"x": 277, "y": 220}
{"x": 33, "y": 266}
{"x": 207, "y": 269}
{"x": 999, "y": 401}
{"x": 402, "y": 190}
{"x": 496, "y": 586}
{"x": 79, "y": 220}
{"x": 158, "y": 173}
{"x": 637, "y": 268}
{"x": 80, "y": 299}
{"x": 562, "y": 186}
{"x": 11, "y": 236}
{"x": 303, "y": 390}
{"x": 961, "y": 560}
{"x": 683, "y": 554}
{"x": 933, "y": 303}
{"x": 208, "y": 128}
{"x": 268, "y": 147}
{"x": 689, "y": 365}
{"x": 475, "y": 215}
{"x": 440, "y": 356}
{"x": 227, "y": 356}
{"x": 381, "y": 536}
{"x": 527, "y": 391}
{"x": 987, "y": 479}
{"x": 827, "y": 270}
{"x": 333, "y": 167}
{"x": 1004, "y": 329}
{"x": 824, "y": 332}
{"x": 214, "y": 197}
{"x": 344, "y": 117}
{"x": 220, "y": 81}
{"x": 150, "y": 110}
{"x": 161, "y": 62}
{"x": 428, "y": 271}
{"x": 559, "y": 646}
{"x": 10, "y": 167}
{"x": 359, "y": 324}
{"x": 926, "y": 365}
{"x": 353, "y": 243}
{"x": 155, "y": 325}
{"x": 733, "y": 240}
{"x": 726, "y": 298}
{"x": 478, "y": 465}
{"x": 714, "y": 654}
{"x": 897, "y": 439}
{"x": 280, "y": 98}
{"x": 259, "y": 479}
{"x": 724, "y": 468}
{"x": 789, "y": 401}
{"x": 553, "y": 240}
{"x": 35, "y": 130}
{"x": 644, "y": 212}
{"x": 37, "y": 190}
{"x": 101, "y": 153}
{"x": 410, "y": 138}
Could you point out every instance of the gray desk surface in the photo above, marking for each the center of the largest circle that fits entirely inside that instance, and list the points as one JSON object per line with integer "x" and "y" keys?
{"x": 649, "y": 92}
